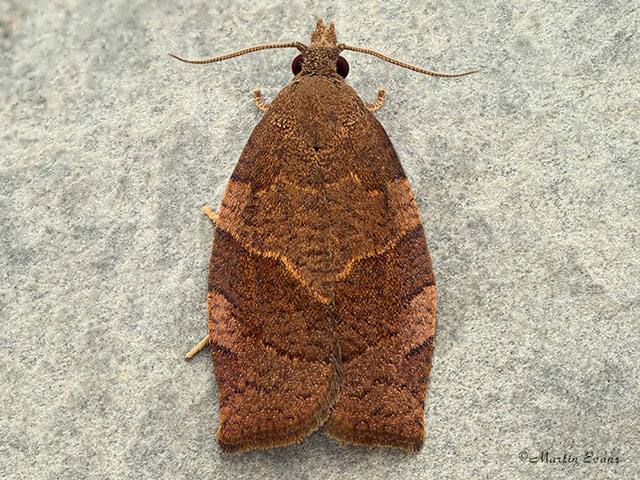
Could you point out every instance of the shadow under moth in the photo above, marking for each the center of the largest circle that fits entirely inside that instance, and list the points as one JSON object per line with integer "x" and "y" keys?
{"x": 321, "y": 303}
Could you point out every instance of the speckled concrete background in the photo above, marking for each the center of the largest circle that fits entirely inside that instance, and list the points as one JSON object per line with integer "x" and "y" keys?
{"x": 526, "y": 176}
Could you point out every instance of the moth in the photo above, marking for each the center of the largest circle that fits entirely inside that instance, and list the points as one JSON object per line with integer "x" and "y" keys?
{"x": 322, "y": 301}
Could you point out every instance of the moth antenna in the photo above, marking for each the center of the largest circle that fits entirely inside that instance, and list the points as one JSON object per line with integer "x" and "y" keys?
{"x": 402, "y": 64}
{"x": 297, "y": 45}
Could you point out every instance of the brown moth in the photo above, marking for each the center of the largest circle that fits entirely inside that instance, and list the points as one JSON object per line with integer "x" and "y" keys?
{"x": 322, "y": 298}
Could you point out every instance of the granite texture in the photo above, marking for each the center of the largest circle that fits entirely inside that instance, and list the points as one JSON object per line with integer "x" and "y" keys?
{"x": 526, "y": 175}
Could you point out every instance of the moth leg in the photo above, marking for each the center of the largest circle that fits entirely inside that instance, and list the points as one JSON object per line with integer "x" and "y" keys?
{"x": 209, "y": 213}
{"x": 257, "y": 96}
{"x": 205, "y": 341}
{"x": 201, "y": 344}
{"x": 372, "y": 107}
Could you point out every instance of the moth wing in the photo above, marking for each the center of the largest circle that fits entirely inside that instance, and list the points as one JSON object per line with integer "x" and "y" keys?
{"x": 273, "y": 344}
{"x": 385, "y": 305}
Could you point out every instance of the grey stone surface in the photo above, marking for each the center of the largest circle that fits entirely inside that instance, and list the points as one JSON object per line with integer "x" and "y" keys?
{"x": 526, "y": 176}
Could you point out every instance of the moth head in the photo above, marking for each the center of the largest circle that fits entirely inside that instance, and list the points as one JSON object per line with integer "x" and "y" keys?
{"x": 319, "y": 62}
{"x": 322, "y": 55}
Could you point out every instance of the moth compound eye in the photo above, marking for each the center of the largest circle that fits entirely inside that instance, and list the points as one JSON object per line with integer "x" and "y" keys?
{"x": 296, "y": 65}
{"x": 342, "y": 67}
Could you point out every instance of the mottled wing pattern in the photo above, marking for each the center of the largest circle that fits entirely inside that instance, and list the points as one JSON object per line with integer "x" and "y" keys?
{"x": 320, "y": 264}
{"x": 385, "y": 306}
{"x": 386, "y": 338}
{"x": 273, "y": 341}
